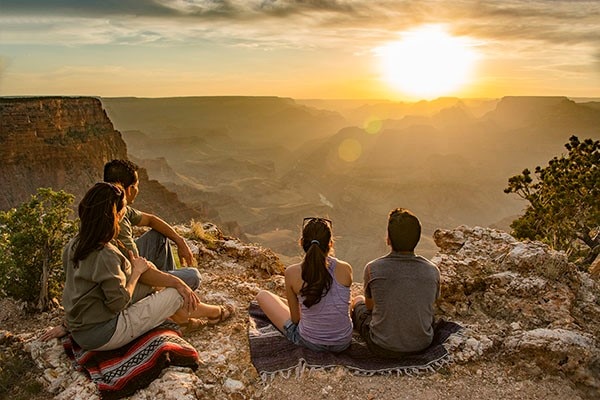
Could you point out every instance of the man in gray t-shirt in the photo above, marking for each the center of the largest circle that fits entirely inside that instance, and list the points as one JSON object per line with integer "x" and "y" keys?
{"x": 395, "y": 315}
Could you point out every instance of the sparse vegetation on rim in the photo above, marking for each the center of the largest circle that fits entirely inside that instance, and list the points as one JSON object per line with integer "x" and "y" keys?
{"x": 564, "y": 201}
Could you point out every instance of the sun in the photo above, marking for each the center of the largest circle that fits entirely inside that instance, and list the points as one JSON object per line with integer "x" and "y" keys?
{"x": 427, "y": 62}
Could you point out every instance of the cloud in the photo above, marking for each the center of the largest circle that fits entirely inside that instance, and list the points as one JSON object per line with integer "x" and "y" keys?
{"x": 268, "y": 24}
{"x": 88, "y": 8}
{"x": 3, "y": 65}
{"x": 173, "y": 8}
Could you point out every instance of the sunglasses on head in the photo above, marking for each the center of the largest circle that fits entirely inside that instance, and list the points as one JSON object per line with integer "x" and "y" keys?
{"x": 306, "y": 220}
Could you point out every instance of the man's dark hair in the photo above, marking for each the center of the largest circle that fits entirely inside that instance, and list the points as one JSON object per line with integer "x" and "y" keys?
{"x": 404, "y": 230}
{"x": 120, "y": 171}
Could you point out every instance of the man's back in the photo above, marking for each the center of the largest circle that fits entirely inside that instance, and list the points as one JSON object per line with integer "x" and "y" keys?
{"x": 404, "y": 288}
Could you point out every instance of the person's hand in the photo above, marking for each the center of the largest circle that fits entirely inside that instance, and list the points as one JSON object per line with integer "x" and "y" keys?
{"x": 53, "y": 333}
{"x": 186, "y": 257}
{"x": 138, "y": 264}
{"x": 151, "y": 265}
{"x": 191, "y": 301}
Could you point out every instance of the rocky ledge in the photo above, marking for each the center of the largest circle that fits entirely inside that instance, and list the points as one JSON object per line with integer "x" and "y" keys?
{"x": 524, "y": 307}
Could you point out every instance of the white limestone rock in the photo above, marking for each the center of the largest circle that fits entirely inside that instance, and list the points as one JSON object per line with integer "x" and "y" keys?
{"x": 233, "y": 385}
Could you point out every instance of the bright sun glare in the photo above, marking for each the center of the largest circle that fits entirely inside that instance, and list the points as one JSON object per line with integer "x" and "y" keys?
{"x": 427, "y": 62}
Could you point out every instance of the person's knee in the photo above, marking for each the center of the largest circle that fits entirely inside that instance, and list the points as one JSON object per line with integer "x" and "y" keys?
{"x": 190, "y": 276}
{"x": 262, "y": 295}
{"x": 155, "y": 236}
{"x": 172, "y": 296}
{"x": 358, "y": 307}
{"x": 358, "y": 299}
{"x": 151, "y": 239}
{"x": 194, "y": 278}
{"x": 354, "y": 315}
{"x": 359, "y": 311}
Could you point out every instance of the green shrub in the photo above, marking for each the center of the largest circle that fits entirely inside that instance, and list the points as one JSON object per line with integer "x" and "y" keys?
{"x": 32, "y": 237}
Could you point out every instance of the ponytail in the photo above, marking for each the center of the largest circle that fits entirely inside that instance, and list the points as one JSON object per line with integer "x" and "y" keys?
{"x": 316, "y": 280}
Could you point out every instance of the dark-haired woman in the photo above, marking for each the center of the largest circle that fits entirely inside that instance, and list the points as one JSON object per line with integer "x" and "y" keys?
{"x": 316, "y": 312}
{"x": 110, "y": 300}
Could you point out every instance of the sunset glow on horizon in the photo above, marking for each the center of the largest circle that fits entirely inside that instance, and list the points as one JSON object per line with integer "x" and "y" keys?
{"x": 342, "y": 49}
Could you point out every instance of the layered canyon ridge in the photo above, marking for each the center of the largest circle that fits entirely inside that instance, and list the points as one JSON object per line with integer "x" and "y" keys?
{"x": 258, "y": 165}
{"x": 264, "y": 163}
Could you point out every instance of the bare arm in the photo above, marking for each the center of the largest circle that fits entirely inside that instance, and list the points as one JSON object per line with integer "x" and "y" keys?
{"x": 185, "y": 254}
{"x": 139, "y": 265}
{"x": 343, "y": 273}
{"x": 154, "y": 277}
{"x": 291, "y": 278}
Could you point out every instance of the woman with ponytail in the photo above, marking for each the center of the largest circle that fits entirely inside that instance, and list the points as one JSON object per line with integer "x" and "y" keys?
{"x": 315, "y": 313}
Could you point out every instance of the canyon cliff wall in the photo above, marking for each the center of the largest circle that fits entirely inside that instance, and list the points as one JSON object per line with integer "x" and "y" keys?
{"x": 63, "y": 143}
{"x": 55, "y": 142}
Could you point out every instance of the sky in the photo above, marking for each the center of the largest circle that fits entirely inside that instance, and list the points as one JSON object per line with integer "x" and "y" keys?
{"x": 303, "y": 49}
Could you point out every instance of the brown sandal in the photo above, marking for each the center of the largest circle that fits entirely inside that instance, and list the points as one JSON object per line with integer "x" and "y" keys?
{"x": 227, "y": 311}
{"x": 193, "y": 325}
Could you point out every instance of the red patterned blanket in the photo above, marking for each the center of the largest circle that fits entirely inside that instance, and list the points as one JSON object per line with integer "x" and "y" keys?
{"x": 120, "y": 372}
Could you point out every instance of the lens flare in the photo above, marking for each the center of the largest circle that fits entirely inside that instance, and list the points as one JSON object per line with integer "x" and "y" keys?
{"x": 350, "y": 150}
{"x": 373, "y": 125}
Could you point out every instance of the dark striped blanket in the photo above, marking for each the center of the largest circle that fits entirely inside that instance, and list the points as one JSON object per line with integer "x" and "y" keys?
{"x": 272, "y": 354}
{"x": 120, "y": 372}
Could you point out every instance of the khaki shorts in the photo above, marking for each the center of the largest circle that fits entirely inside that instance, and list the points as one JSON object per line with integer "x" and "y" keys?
{"x": 142, "y": 316}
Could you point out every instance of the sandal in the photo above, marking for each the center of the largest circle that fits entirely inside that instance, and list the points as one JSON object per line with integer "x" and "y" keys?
{"x": 227, "y": 311}
{"x": 193, "y": 325}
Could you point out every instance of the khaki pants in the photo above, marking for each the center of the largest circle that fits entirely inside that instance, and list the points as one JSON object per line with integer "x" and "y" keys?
{"x": 142, "y": 316}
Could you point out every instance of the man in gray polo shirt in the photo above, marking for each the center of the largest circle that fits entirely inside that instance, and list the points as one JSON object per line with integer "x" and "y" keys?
{"x": 395, "y": 315}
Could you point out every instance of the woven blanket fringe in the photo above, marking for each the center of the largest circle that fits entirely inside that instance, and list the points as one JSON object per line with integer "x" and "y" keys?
{"x": 302, "y": 366}
{"x": 407, "y": 371}
{"x": 297, "y": 369}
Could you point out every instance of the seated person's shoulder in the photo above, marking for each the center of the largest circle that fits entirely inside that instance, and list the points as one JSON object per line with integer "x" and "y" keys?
{"x": 427, "y": 262}
{"x": 134, "y": 215}
{"x": 376, "y": 263}
{"x": 293, "y": 276}
{"x": 343, "y": 273}
{"x": 344, "y": 265}
{"x": 106, "y": 258}
{"x": 293, "y": 270}
{"x": 110, "y": 252}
